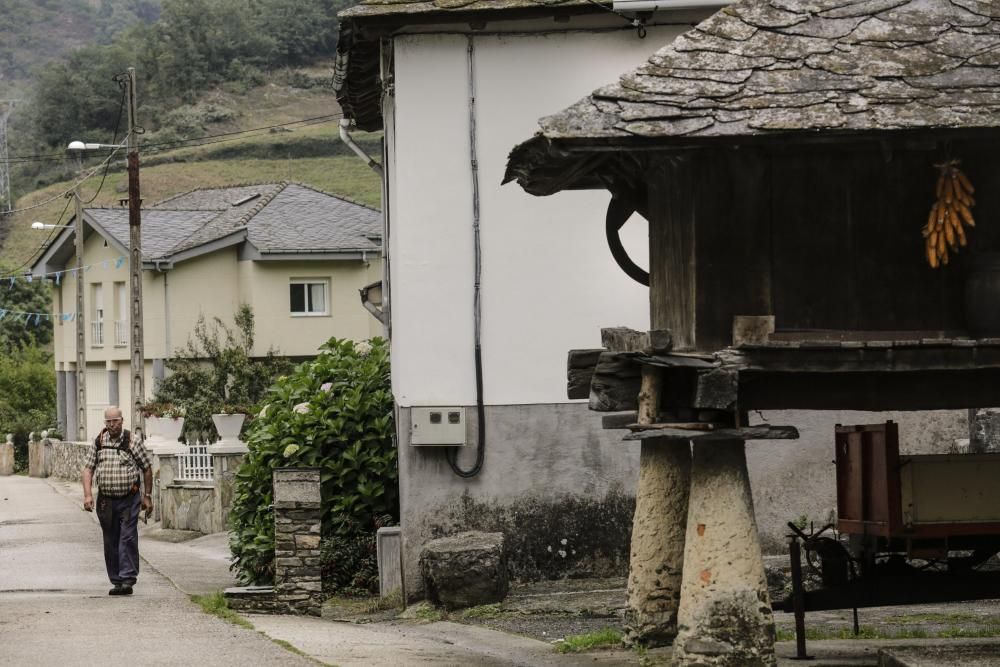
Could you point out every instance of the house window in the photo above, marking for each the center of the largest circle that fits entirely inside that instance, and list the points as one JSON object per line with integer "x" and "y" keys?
{"x": 97, "y": 315}
{"x": 308, "y": 297}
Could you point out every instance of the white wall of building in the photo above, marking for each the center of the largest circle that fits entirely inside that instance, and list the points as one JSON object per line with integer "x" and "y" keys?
{"x": 548, "y": 282}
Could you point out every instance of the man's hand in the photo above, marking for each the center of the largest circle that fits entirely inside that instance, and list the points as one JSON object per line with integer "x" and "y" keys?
{"x": 88, "y": 503}
{"x": 147, "y": 505}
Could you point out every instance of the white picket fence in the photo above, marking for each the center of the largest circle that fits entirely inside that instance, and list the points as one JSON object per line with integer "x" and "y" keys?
{"x": 196, "y": 463}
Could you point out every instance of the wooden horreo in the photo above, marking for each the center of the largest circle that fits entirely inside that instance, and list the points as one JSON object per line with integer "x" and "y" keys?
{"x": 786, "y": 156}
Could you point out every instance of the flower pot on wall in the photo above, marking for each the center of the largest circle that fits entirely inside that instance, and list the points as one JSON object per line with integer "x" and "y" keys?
{"x": 229, "y": 426}
{"x": 982, "y": 295}
{"x": 162, "y": 433}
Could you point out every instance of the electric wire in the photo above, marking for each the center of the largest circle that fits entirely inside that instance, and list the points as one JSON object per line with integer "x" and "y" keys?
{"x": 192, "y": 141}
{"x": 80, "y": 182}
{"x": 16, "y": 271}
{"x": 114, "y": 140}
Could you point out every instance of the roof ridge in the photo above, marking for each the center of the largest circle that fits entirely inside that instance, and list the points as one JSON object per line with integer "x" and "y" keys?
{"x": 248, "y": 184}
{"x": 184, "y": 240}
{"x": 244, "y": 220}
{"x": 349, "y": 200}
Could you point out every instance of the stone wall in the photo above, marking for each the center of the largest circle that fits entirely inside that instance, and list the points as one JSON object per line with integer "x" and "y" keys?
{"x": 298, "y": 514}
{"x": 189, "y": 506}
{"x": 39, "y": 452}
{"x": 66, "y": 459}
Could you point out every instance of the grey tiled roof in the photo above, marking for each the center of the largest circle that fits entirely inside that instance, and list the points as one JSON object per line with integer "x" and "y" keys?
{"x": 300, "y": 219}
{"x": 162, "y": 231}
{"x": 762, "y": 67}
{"x": 373, "y": 8}
{"x": 276, "y": 217}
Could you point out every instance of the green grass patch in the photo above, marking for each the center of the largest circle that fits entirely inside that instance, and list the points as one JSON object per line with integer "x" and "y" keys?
{"x": 606, "y": 638}
{"x": 891, "y": 632}
{"x": 429, "y": 612}
{"x": 483, "y": 611}
{"x": 215, "y": 604}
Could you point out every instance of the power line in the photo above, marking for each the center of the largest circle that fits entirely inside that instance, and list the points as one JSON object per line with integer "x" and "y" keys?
{"x": 66, "y": 192}
{"x": 37, "y": 251}
{"x": 183, "y": 142}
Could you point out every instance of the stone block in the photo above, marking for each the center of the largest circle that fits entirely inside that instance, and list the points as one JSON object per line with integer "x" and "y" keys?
{"x": 306, "y": 541}
{"x": 296, "y": 487}
{"x": 389, "y": 544}
{"x": 6, "y": 458}
{"x": 465, "y": 570}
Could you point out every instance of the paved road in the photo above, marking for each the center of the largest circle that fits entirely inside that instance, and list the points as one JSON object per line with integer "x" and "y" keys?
{"x": 55, "y": 610}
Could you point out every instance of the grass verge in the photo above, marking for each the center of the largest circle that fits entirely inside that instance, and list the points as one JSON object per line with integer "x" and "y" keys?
{"x": 215, "y": 604}
{"x": 606, "y": 638}
{"x": 870, "y": 632}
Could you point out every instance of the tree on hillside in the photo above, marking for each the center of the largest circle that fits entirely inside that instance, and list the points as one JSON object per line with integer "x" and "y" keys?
{"x": 16, "y": 331}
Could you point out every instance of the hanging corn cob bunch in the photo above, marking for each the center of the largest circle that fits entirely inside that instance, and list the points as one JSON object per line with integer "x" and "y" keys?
{"x": 952, "y": 208}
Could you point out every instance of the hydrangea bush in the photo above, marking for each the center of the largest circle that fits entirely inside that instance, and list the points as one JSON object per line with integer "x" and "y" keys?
{"x": 333, "y": 413}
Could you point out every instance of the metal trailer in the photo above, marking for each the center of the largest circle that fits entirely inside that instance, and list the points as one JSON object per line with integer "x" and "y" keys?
{"x": 918, "y": 528}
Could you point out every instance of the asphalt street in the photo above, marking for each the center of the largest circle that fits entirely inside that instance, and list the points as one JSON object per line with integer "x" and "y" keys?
{"x": 54, "y": 603}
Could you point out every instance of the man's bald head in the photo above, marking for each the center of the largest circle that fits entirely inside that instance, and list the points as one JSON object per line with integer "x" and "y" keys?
{"x": 113, "y": 420}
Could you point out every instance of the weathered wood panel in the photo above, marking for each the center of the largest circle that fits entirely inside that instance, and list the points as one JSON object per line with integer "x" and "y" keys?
{"x": 745, "y": 433}
{"x": 615, "y": 385}
{"x": 733, "y": 243}
{"x": 671, "y": 250}
{"x": 580, "y": 365}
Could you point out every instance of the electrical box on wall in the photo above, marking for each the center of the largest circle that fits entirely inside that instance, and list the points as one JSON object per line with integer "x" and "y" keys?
{"x": 437, "y": 426}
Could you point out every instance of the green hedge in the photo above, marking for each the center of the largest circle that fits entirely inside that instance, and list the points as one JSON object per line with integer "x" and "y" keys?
{"x": 333, "y": 413}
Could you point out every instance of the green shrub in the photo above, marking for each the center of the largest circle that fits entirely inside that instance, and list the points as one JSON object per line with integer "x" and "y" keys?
{"x": 349, "y": 562}
{"x": 335, "y": 414}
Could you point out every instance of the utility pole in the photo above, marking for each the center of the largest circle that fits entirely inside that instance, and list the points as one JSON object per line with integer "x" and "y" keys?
{"x": 81, "y": 360}
{"x": 135, "y": 262}
{"x": 6, "y": 204}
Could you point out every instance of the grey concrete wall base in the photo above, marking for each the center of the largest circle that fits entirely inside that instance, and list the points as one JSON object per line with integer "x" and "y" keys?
{"x": 297, "y": 528}
{"x": 389, "y": 550}
{"x": 6, "y": 458}
{"x": 657, "y": 554}
{"x": 725, "y": 615}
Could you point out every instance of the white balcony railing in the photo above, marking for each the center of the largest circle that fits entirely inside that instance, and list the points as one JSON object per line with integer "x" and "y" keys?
{"x": 97, "y": 333}
{"x": 196, "y": 464}
{"x": 121, "y": 333}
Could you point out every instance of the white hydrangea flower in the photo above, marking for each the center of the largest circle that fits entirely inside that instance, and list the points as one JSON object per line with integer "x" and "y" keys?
{"x": 363, "y": 348}
{"x": 263, "y": 411}
{"x": 327, "y": 386}
{"x": 301, "y": 408}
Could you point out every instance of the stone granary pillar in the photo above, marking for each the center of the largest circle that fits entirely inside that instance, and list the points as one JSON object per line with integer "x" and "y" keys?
{"x": 725, "y": 615}
{"x": 298, "y": 512}
{"x": 657, "y": 550}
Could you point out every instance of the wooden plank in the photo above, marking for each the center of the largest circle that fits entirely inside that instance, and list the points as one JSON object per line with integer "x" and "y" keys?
{"x": 619, "y": 420}
{"x": 683, "y": 426}
{"x": 615, "y": 384}
{"x": 672, "y": 295}
{"x": 909, "y": 358}
{"x": 744, "y": 433}
{"x": 752, "y": 329}
{"x": 931, "y": 390}
{"x": 580, "y": 365}
{"x": 672, "y": 360}
{"x": 623, "y": 339}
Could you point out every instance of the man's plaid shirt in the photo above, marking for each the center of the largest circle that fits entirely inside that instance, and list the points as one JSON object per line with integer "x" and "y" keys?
{"x": 117, "y": 470}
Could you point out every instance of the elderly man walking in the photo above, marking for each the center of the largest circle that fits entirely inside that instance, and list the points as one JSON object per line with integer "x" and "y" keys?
{"x": 124, "y": 475}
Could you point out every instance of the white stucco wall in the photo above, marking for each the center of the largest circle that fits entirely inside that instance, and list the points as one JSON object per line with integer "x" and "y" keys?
{"x": 548, "y": 282}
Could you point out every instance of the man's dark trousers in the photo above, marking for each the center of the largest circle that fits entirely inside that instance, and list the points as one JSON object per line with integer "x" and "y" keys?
{"x": 119, "y": 519}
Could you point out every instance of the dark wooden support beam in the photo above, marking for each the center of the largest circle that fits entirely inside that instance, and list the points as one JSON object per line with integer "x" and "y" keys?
{"x": 615, "y": 384}
{"x": 579, "y": 370}
{"x": 725, "y": 434}
{"x": 718, "y": 389}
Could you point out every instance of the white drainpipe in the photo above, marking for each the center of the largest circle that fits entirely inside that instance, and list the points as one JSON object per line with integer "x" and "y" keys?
{"x": 345, "y": 136}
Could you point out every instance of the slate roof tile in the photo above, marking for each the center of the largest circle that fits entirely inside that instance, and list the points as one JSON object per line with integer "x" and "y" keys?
{"x": 277, "y": 217}
{"x": 761, "y": 67}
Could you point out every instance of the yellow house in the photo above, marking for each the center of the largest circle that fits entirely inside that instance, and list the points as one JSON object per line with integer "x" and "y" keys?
{"x": 296, "y": 255}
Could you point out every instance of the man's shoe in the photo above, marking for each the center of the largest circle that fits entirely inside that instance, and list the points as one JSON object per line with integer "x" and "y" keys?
{"x": 126, "y": 589}
{"x": 121, "y": 589}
